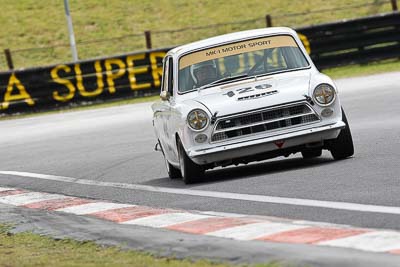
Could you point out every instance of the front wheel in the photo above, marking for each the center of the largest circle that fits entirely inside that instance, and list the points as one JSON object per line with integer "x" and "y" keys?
{"x": 191, "y": 172}
{"x": 173, "y": 172}
{"x": 342, "y": 147}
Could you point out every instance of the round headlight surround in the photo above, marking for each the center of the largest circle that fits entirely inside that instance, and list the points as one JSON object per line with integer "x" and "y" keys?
{"x": 197, "y": 119}
{"x": 324, "y": 94}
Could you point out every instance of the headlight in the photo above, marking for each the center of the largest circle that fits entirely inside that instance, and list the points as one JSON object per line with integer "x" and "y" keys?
{"x": 197, "y": 119}
{"x": 324, "y": 94}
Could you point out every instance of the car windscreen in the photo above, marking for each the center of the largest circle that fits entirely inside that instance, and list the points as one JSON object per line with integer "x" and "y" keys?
{"x": 260, "y": 56}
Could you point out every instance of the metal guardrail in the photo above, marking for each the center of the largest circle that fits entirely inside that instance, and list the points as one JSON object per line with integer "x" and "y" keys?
{"x": 132, "y": 75}
{"x": 139, "y": 74}
{"x": 356, "y": 41}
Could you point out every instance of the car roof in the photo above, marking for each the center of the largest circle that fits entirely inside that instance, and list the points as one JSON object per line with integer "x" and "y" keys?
{"x": 228, "y": 38}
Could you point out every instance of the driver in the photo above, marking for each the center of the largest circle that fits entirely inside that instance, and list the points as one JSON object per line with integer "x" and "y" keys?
{"x": 204, "y": 72}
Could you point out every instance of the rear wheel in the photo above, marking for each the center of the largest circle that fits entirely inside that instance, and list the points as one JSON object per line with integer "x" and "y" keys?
{"x": 191, "y": 172}
{"x": 310, "y": 153}
{"x": 342, "y": 147}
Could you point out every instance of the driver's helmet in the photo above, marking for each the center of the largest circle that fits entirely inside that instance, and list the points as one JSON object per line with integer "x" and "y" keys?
{"x": 204, "y": 72}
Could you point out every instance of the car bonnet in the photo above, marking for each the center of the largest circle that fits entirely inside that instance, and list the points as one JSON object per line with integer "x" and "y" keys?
{"x": 254, "y": 94}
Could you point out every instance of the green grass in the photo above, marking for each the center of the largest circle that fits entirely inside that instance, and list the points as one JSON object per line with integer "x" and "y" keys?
{"x": 363, "y": 70}
{"x": 27, "y": 249}
{"x": 32, "y": 23}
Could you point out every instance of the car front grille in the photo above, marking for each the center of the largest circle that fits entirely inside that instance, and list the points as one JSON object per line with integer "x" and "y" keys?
{"x": 263, "y": 121}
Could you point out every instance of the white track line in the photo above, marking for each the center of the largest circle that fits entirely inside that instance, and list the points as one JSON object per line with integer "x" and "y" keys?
{"x": 165, "y": 220}
{"x": 28, "y": 198}
{"x": 379, "y": 241}
{"x": 255, "y": 230}
{"x": 93, "y": 207}
{"x": 216, "y": 194}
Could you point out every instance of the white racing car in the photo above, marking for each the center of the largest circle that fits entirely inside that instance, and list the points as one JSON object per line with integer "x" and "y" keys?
{"x": 243, "y": 97}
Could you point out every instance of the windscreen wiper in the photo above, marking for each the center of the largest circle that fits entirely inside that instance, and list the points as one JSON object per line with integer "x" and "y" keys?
{"x": 222, "y": 80}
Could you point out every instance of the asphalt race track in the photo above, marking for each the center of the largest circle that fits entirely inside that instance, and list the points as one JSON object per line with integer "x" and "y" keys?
{"x": 117, "y": 145}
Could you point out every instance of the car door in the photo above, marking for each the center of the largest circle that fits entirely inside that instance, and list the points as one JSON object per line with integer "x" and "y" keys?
{"x": 164, "y": 114}
{"x": 161, "y": 110}
{"x": 173, "y": 117}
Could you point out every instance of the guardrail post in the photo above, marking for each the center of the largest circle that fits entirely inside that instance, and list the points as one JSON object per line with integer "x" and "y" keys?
{"x": 394, "y": 8}
{"x": 361, "y": 49}
{"x": 268, "y": 20}
{"x": 147, "y": 35}
{"x": 394, "y": 5}
{"x": 7, "y": 53}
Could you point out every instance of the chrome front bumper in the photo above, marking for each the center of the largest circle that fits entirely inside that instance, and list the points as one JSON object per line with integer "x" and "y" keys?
{"x": 246, "y": 148}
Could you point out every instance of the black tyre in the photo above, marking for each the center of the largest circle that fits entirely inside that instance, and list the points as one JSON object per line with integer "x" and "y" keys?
{"x": 310, "y": 153}
{"x": 342, "y": 147}
{"x": 191, "y": 172}
{"x": 173, "y": 172}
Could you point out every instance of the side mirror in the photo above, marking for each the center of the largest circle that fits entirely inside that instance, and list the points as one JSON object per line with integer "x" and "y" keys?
{"x": 165, "y": 95}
